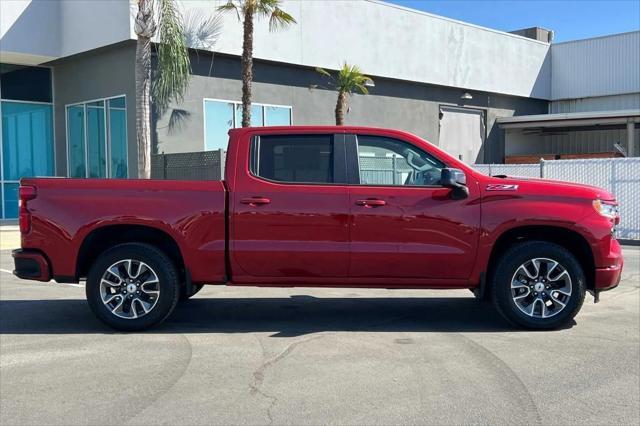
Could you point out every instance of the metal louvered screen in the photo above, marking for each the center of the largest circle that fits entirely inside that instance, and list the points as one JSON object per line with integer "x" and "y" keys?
{"x": 621, "y": 176}
{"x": 205, "y": 165}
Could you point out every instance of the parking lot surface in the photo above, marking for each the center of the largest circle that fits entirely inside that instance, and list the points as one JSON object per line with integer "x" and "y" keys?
{"x": 316, "y": 356}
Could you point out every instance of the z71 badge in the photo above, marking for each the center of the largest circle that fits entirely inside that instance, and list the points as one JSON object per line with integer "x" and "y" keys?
{"x": 502, "y": 187}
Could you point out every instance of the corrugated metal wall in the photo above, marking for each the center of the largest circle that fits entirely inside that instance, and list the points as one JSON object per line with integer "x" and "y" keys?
{"x": 596, "y": 67}
{"x": 574, "y": 142}
{"x": 564, "y": 141}
{"x": 600, "y": 103}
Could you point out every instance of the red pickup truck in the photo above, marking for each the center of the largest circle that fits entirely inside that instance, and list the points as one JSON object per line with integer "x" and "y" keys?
{"x": 323, "y": 207}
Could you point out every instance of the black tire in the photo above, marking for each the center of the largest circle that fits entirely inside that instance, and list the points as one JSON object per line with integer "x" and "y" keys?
{"x": 195, "y": 288}
{"x": 507, "y": 266}
{"x": 168, "y": 285}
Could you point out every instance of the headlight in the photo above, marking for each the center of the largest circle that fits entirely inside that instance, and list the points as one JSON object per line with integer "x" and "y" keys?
{"x": 606, "y": 208}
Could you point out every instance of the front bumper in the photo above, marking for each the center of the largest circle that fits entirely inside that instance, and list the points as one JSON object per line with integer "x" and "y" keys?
{"x": 31, "y": 265}
{"x": 609, "y": 277}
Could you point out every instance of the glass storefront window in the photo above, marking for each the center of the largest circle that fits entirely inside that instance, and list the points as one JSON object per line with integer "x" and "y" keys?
{"x": 10, "y": 191}
{"x": 118, "y": 137}
{"x": 96, "y": 142}
{"x": 75, "y": 141}
{"x": 97, "y": 138}
{"x": 256, "y": 115}
{"x": 26, "y": 126}
{"x": 218, "y": 119}
{"x": 27, "y": 140}
{"x": 220, "y": 116}
{"x": 277, "y": 116}
{"x": 117, "y": 103}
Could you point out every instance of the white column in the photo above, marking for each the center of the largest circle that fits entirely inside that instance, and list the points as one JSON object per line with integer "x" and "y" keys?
{"x": 630, "y": 136}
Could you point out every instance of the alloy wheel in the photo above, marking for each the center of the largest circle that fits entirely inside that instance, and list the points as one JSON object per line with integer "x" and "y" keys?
{"x": 129, "y": 289}
{"x": 541, "y": 288}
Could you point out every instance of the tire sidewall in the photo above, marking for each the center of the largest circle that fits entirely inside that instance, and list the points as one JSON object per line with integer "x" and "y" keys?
{"x": 518, "y": 255}
{"x": 168, "y": 285}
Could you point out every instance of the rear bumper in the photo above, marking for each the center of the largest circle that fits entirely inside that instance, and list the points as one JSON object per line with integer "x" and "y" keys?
{"x": 608, "y": 277}
{"x": 31, "y": 265}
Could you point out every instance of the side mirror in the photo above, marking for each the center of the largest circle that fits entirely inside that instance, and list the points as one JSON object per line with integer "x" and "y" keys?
{"x": 457, "y": 181}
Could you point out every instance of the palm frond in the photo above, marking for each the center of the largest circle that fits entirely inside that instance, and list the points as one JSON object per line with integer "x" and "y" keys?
{"x": 230, "y": 6}
{"x": 263, "y": 8}
{"x": 361, "y": 88}
{"x": 280, "y": 19}
{"x": 323, "y": 72}
{"x": 174, "y": 67}
{"x": 351, "y": 79}
{"x": 202, "y": 30}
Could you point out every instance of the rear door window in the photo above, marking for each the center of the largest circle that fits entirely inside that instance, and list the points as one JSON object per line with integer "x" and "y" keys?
{"x": 294, "y": 158}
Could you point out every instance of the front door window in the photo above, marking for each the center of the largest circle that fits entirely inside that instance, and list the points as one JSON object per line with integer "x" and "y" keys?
{"x": 385, "y": 161}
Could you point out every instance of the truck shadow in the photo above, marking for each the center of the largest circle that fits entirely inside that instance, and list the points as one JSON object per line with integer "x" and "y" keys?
{"x": 284, "y": 317}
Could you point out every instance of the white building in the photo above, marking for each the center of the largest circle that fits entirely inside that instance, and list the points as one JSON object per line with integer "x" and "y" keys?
{"x": 68, "y": 87}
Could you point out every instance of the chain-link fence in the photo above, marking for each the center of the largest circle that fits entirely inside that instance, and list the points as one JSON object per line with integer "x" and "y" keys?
{"x": 523, "y": 170}
{"x": 205, "y": 165}
{"x": 621, "y": 176}
{"x": 383, "y": 170}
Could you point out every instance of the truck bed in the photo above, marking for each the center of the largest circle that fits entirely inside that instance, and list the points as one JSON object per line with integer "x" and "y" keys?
{"x": 65, "y": 212}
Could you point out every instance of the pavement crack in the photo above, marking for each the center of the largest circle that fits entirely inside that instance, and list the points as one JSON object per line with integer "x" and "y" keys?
{"x": 255, "y": 387}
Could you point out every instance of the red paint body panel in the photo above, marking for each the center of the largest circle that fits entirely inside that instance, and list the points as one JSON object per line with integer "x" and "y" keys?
{"x": 320, "y": 235}
{"x": 420, "y": 233}
{"x": 65, "y": 211}
{"x": 301, "y": 234}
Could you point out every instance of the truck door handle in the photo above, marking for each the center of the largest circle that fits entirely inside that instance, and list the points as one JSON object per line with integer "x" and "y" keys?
{"x": 255, "y": 201}
{"x": 371, "y": 202}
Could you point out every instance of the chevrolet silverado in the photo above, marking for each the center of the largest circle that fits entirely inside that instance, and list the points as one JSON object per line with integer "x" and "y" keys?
{"x": 324, "y": 207}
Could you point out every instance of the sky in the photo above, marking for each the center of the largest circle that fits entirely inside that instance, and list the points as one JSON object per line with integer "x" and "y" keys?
{"x": 569, "y": 19}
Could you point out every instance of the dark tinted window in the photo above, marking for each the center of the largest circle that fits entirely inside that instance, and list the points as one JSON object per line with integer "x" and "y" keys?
{"x": 295, "y": 158}
{"x": 21, "y": 83}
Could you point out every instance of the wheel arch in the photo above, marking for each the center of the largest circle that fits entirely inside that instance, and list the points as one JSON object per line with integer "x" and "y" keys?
{"x": 105, "y": 237}
{"x": 569, "y": 239}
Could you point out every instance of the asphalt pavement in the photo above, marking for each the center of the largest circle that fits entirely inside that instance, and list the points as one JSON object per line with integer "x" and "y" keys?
{"x": 316, "y": 356}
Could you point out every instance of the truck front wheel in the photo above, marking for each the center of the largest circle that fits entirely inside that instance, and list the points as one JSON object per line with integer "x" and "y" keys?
{"x": 538, "y": 285}
{"x": 132, "y": 287}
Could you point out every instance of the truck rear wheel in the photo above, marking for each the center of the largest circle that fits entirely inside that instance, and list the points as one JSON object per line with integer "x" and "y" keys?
{"x": 538, "y": 285}
{"x": 132, "y": 287}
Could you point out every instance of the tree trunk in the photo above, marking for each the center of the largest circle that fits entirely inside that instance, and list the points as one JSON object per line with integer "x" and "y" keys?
{"x": 143, "y": 106}
{"x": 247, "y": 67}
{"x": 145, "y": 28}
{"x": 341, "y": 106}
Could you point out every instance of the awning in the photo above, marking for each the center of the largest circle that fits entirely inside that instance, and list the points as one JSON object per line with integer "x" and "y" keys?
{"x": 570, "y": 119}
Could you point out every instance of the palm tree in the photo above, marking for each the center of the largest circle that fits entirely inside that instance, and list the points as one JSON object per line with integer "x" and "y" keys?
{"x": 349, "y": 80}
{"x": 247, "y": 10}
{"x": 171, "y": 77}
